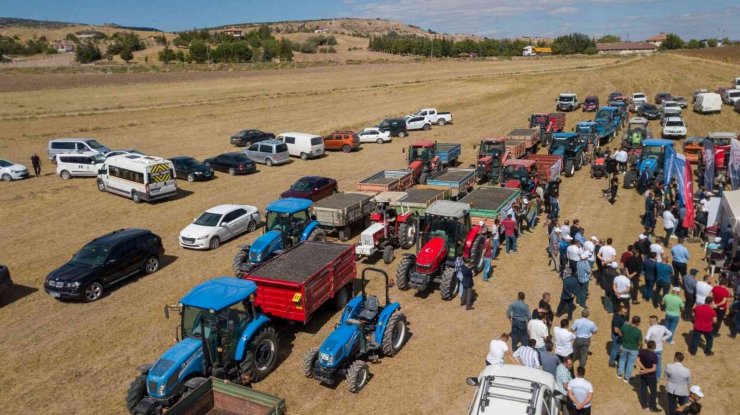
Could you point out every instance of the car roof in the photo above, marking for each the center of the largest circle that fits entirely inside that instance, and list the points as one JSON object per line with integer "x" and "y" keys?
{"x": 448, "y": 208}
{"x": 219, "y": 293}
{"x": 270, "y": 141}
{"x": 568, "y": 94}
{"x": 674, "y": 119}
{"x": 289, "y": 205}
{"x": 115, "y": 237}
{"x": 311, "y": 179}
{"x": 513, "y": 389}
{"x": 231, "y": 153}
{"x": 591, "y": 97}
{"x": 226, "y": 208}
{"x": 70, "y": 139}
{"x": 722, "y": 134}
{"x": 299, "y": 135}
{"x": 136, "y": 159}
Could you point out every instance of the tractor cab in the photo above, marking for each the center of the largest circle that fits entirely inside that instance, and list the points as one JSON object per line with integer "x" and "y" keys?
{"x": 423, "y": 160}
{"x": 438, "y": 223}
{"x": 491, "y": 156}
{"x": 218, "y": 328}
{"x": 609, "y": 115}
{"x": 539, "y": 120}
{"x": 650, "y": 167}
{"x": 637, "y": 131}
{"x": 588, "y": 132}
{"x": 564, "y": 144}
{"x": 520, "y": 174}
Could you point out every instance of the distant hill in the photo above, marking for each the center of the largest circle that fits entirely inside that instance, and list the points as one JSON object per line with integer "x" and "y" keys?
{"x": 15, "y": 22}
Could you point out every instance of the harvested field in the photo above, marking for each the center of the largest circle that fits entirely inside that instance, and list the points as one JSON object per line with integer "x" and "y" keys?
{"x": 728, "y": 54}
{"x": 73, "y": 358}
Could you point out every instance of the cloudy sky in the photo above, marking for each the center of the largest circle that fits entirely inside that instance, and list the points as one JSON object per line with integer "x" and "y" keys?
{"x": 632, "y": 19}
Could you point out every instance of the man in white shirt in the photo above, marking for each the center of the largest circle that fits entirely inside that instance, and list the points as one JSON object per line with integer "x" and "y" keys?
{"x": 657, "y": 333}
{"x": 621, "y": 158}
{"x": 573, "y": 253}
{"x": 497, "y": 349}
{"x": 580, "y": 392}
{"x": 669, "y": 224}
{"x": 703, "y": 289}
{"x": 563, "y": 339}
{"x": 565, "y": 229}
{"x": 621, "y": 288}
{"x": 537, "y": 330}
{"x": 607, "y": 253}
{"x": 658, "y": 249}
{"x": 589, "y": 247}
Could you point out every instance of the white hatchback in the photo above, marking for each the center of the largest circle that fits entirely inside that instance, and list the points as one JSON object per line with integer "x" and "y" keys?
{"x": 219, "y": 224}
{"x": 10, "y": 171}
{"x": 374, "y": 135}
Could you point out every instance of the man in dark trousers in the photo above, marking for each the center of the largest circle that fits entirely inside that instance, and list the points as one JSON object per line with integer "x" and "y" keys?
{"x": 467, "y": 286}
{"x": 567, "y": 296}
{"x": 36, "y": 162}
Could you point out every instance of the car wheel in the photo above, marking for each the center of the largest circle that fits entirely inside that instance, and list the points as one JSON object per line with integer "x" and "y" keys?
{"x": 441, "y": 122}
{"x": 214, "y": 243}
{"x": 191, "y": 177}
{"x": 65, "y": 175}
{"x": 379, "y": 141}
{"x": 135, "y": 197}
{"x": 346, "y": 148}
{"x": 304, "y": 156}
{"x": 93, "y": 291}
{"x": 101, "y": 186}
{"x": 7, "y": 178}
{"x": 252, "y": 226}
{"x": 268, "y": 162}
{"x": 151, "y": 265}
{"x": 232, "y": 172}
{"x": 426, "y": 127}
{"x": 402, "y": 134}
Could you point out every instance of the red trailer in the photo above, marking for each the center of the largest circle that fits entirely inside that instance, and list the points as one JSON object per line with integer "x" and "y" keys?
{"x": 294, "y": 284}
{"x": 557, "y": 122}
{"x": 549, "y": 166}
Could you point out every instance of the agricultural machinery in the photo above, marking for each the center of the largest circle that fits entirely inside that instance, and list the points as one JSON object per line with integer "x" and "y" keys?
{"x": 520, "y": 174}
{"x": 446, "y": 234}
{"x": 637, "y": 131}
{"x": 650, "y": 165}
{"x": 492, "y": 155}
{"x": 620, "y": 103}
{"x": 427, "y": 158}
{"x": 548, "y": 124}
{"x": 289, "y": 221}
{"x": 366, "y": 330}
{"x": 609, "y": 116}
{"x": 389, "y": 230}
{"x": 571, "y": 146}
{"x": 594, "y": 133}
{"x": 223, "y": 336}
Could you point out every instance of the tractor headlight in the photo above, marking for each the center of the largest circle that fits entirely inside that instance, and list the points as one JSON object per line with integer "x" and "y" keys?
{"x": 326, "y": 358}
{"x": 160, "y": 389}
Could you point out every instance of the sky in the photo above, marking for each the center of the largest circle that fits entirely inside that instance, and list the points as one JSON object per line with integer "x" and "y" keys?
{"x": 630, "y": 19}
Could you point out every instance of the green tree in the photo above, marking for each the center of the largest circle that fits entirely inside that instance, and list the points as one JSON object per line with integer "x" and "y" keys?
{"x": 572, "y": 43}
{"x": 672, "y": 41}
{"x": 285, "y": 50}
{"x": 712, "y": 43}
{"x": 264, "y": 32}
{"x": 127, "y": 55}
{"x": 167, "y": 55}
{"x": 180, "y": 55}
{"x": 198, "y": 51}
{"x": 693, "y": 44}
{"x": 71, "y": 37}
{"x": 609, "y": 39}
{"x": 241, "y": 51}
{"x": 88, "y": 52}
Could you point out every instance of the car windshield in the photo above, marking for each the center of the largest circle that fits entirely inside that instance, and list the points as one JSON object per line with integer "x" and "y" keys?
{"x": 442, "y": 226}
{"x": 316, "y": 141}
{"x": 515, "y": 172}
{"x": 94, "y": 144}
{"x": 302, "y": 186}
{"x": 92, "y": 255}
{"x": 208, "y": 219}
{"x": 606, "y": 114}
{"x": 670, "y": 123}
{"x": 566, "y": 98}
{"x": 638, "y": 96}
{"x": 281, "y": 148}
{"x": 5, "y": 163}
{"x": 493, "y": 149}
{"x": 649, "y": 107}
{"x": 734, "y": 94}
{"x": 277, "y": 221}
{"x": 590, "y": 100}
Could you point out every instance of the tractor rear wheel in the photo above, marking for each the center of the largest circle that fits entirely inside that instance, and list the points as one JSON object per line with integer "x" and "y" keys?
{"x": 357, "y": 376}
{"x": 449, "y": 285}
{"x": 242, "y": 256}
{"x": 476, "y": 253}
{"x": 344, "y": 233}
{"x": 395, "y": 334}
{"x": 136, "y": 392}
{"x": 579, "y": 162}
{"x": 309, "y": 361}
{"x": 406, "y": 235}
{"x": 387, "y": 254}
{"x": 403, "y": 272}
{"x": 317, "y": 235}
{"x": 261, "y": 354}
{"x": 570, "y": 168}
{"x": 423, "y": 177}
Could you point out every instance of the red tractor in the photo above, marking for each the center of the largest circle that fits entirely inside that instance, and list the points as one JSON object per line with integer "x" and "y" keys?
{"x": 423, "y": 160}
{"x": 492, "y": 155}
{"x": 446, "y": 234}
{"x": 548, "y": 124}
{"x": 520, "y": 174}
{"x": 389, "y": 230}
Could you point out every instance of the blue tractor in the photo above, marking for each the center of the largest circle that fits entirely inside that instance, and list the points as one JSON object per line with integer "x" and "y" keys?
{"x": 598, "y": 134}
{"x": 366, "y": 330}
{"x": 650, "y": 168}
{"x": 288, "y": 222}
{"x": 223, "y": 336}
{"x": 571, "y": 147}
{"x": 609, "y": 115}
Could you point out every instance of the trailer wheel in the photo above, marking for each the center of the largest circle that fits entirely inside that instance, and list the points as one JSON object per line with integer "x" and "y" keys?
{"x": 476, "y": 253}
{"x": 403, "y": 272}
{"x": 357, "y": 376}
{"x": 344, "y": 233}
{"x": 423, "y": 177}
{"x": 317, "y": 235}
{"x": 261, "y": 354}
{"x": 395, "y": 334}
{"x": 449, "y": 285}
{"x": 341, "y": 298}
{"x": 136, "y": 392}
{"x": 309, "y": 361}
{"x": 388, "y": 254}
{"x": 406, "y": 235}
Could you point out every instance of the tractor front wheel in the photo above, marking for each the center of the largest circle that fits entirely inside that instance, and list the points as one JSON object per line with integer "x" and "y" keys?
{"x": 357, "y": 376}
{"x": 449, "y": 285}
{"x": 309, "y": 361}
{"x": 579, "y": 162}
{"x": 406, "y": 235}
{"x": 387, "y": 254}
{"x": 403, "y": 272}
{"x": 317, "y": 235}
{"x": 395, "y": 334}
{"x": 241, "y": 257}
{"x": 261, "y": 355}
{"x": 476, "y": 253}
{"x": 570, "y": 168}
{"x": 136, "y": 392}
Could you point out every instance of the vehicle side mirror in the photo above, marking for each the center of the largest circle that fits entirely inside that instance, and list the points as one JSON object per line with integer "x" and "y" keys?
{"x": 472, "y": 381}
{"x": 224, "y": 224}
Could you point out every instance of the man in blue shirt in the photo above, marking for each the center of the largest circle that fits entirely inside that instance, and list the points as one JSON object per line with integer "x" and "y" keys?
{"x": 518, "y": 314}
{"x": 689, "y": 286}
{"x": 680, "y": 258}
{"x": 648, "y": 268}
{"x": 663, "y": 274}
{"x": 584, "y": 329}
{"x": 583, "y": 274}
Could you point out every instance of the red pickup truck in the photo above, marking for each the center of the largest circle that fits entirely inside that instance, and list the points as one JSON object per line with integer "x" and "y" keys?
{"x": 294, "y": 284}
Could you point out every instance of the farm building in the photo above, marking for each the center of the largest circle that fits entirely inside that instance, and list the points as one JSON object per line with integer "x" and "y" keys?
{"x": 625, "y": 48}
{"x": 64, "y": 46}
{"x": 658, "y": 39}
{"x": 235, "y": 33}
{"x": 89, "y": 34}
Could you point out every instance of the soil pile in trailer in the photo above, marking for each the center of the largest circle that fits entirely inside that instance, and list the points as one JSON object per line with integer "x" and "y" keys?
{"x": 488, "y": 197}
{"x": 301, "y": 262}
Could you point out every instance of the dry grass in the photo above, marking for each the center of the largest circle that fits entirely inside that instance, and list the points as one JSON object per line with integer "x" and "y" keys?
{"x": 79, "y": 358}
{"x": 729, "y": 54}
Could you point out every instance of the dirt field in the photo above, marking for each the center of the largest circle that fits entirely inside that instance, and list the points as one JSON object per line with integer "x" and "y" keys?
{"x": 63, "y": 358}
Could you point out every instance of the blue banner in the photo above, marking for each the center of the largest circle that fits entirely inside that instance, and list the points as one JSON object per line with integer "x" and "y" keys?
{"x": 679, "y": 166}
{"x": 668, "y": 165}
{"x": 708, "y": 155}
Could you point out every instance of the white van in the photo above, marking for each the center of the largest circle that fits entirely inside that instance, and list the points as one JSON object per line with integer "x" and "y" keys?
{"x": 708, "y": 102}
{"x": 78, "y": 165}
{"x": 87, "y": 146}
{"x": 138, "y": 177}
{"x": 305, "y": 146}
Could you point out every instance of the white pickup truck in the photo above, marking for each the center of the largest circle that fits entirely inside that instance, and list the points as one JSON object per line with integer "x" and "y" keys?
{"x": 434, "y": 116}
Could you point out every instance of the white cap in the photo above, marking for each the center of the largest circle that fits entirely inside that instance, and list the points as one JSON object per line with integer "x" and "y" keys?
{"x": 525, "y": 201}
{"x": 642, "y": 236}
{"x": 614, "y": 264}
{"x": 481, "y": 223}
{"x": 696, "y": 390}
{"x": 676, "y": 289}
{"x": 558, "y": 230}
{"x": 718, "y": 239}
{"x": 594, "y": 238}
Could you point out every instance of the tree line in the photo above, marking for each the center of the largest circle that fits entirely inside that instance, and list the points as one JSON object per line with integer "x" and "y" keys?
{"x": 396, "y": 44}
{"x": 13, "y": 46}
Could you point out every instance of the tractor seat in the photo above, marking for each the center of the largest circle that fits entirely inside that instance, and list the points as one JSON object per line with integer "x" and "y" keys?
{"x": 370, "y": 311}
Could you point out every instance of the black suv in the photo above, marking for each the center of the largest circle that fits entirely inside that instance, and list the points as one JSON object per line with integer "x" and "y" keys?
{"x": 248, "y": 137}
{"x": 191, "y": 169}
{"x": 105, "y": 261}
{"x": 233, "y": 163}
{"x": 397, "y": 127}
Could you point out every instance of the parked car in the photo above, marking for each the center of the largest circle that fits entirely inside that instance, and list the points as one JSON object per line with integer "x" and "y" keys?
{"x": 6, "y": 283}
{"x": 515, "y": 390}
{"x": 140, "y": 178}
{"x": 232, "y": 163}
{"x": 122, "y": 152}
{"x": 567, "y": 102}
{"x": 246, "y": 138}
{"x": 342, "y": 140}
{"x": 667, "y": 105}
{"x": 374, "y": 135}
{"x": 732, "y": 96}
{"x": 708, "y": 102}
{"x": 670, "y": 112}
{"x": 268, "y": 152}
{"x": 649, "y": 111}
{"x": 737, "y": 106}
{"x": 661, "y": 96}
{"x": 10, "y": 171}
{"x": 637, "y": 99}
{"x": 105, "y": 261}
{"x": 396, "y": 126}
{"x": 78, "y": 165}
{"x": 86, "y": 146}
{"x": 219, "y": 224}
{"x": 311, "y": 187}
{"x": 305, "y": 146}
{"x": 614, "y": 95}
{"x": 415, "y": 122}
{"x": 191, "y": 169}
{"x": 434, "y": 116}
{"x": 674, "y": 127}
{"x": 591, "y": 103}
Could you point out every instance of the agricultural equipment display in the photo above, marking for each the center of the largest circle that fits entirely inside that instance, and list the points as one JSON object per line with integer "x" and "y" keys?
{"x": 637, "y": 131}
{"x": 693, "y": 148}
{"x": 367, "y": 329}
{"x": 548, "y": 167}
{"x": 417, "y": 199}
{"x": 548, "y": 124}
{"x": 340, "y": 211}
{"x": 621, "y": 106}
{"x": 598, "y": 167}
{"x": 651, "y": 163}
{"x": 223, "y": 335}
{"x": 387, "y": 181}
{"x": 427, "y": 158}
{"x": 529, "y": 136}
{"x": 389, "y": 230}
{"x": 488, "y": 203}
{"x": 722, "y": 143}
{"x": 446, "y": 234}
{"x": 520, "y": 174}
{"x": 288, "y": 221}
{"x": 570, "y": 146}
{"x": 458, "y": 181}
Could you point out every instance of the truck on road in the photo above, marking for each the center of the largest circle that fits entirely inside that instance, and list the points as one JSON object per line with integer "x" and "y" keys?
{"x": 434, "y": 116}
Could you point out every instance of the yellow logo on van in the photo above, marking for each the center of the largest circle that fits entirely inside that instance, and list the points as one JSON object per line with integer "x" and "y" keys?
{"x": 160, "y": 173}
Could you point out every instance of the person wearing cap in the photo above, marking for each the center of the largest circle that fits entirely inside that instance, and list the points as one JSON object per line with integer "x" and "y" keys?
{"x": 583, "y": 274}
{"x": 583, "y": 328}
{"x": 680, "y": 256}
{"x": 563, "y": 254}
{"x": 647, "y": 364}
{"x": 673, "y": 307}
{"x": 643, "y": 245}
{"x": 657, "y": 333}
{"x": 704, "y": 319}
{"x": 631, "y": 343}
{"x": 693, "y": 405}
{"x": 689, "y": 286}
{"x": 567, "y": 296}
{"x": 678, "y": 379}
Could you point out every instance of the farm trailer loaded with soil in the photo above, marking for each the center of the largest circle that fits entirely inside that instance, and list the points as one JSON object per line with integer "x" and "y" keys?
{"x": 387, "y": 181}
{"x": 458, "y": 181}
{"x": 213, "y": 396}
{"x": 529, "y": 136}
{"x": 340, "y": 211}
{"x": 489, "y": 203}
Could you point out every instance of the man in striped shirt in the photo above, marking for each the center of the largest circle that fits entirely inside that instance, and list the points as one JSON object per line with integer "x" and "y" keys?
{"x": 527, "y": 355}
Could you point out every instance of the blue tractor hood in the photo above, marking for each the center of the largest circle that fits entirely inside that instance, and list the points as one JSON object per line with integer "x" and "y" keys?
{"x": 558, "y": 150}
{"x": 175, "y": 365}
{"x": 339, "y": 345}
{"x": 649, "y": 164}
{"x": 265, "y": 245}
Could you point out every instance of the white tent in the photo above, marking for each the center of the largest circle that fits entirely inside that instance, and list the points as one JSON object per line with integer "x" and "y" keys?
{"x": 729, "y": 214}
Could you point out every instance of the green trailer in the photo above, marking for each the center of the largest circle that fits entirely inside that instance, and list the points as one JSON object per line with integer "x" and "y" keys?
{"x": 488, "y": 203}
{"x": 216, "y": 397}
